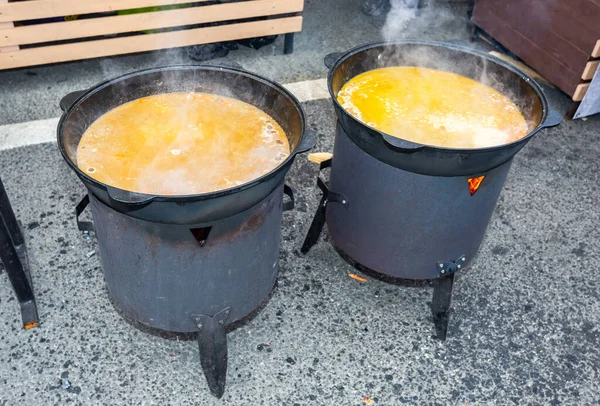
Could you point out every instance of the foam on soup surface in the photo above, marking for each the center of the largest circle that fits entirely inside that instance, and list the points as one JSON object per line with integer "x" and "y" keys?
{"x": 433, "y": 107}
{"x": 181, "y": 144}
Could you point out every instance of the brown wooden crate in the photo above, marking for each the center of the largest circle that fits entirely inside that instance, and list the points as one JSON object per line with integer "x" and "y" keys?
{"x": 532, "y": 54}
{"x": 580, "y": 91}
{"x": 596, "y": 51}
{"x": 586, "y": 12}
{"x": 34, "y": 9}
{"x": 590, "y": 70}
{"x": 4, "y": 26}
{"x": 145, "y": 21}
{"x": 147, "y": 42}
{"x": 540, "y": 28}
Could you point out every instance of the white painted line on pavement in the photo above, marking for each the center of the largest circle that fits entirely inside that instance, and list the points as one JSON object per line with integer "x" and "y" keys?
{"x": 309, "y": 90}
{"x": 28, "y": 133}
{"x": 43, "y": 131}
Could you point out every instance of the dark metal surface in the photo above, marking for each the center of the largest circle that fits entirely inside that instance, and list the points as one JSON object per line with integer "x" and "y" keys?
{"x": 440, "y": 304}
{"x": 79, "y": 209}
{"x": 289, "y": 192}
{"x": 316, "y": 226}
{"x": 13, "y": 254}
{"x": 450, "y": 268}
{"x": 288, "y": 43}
{"x": 212, "y": 343}
{"x": 260, "y": 92}
{"x": 158, "y": 274}
{"x": 401, "y": 223}
{"x": 8, "y": 215}
{"x": 473, "y": 64}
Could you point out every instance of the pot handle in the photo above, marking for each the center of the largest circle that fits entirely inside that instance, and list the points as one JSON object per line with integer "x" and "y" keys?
{"x": 307, "y": 142}
{"x": 331, "y": 59}
{"x": 289, "y": 192}
{"x": 126, "y": 197}
{"x": 400, "y": 144}
{"x": 68, "y": 100}
{"x": 83, "y": 225}
{"x": 553, "y": 119}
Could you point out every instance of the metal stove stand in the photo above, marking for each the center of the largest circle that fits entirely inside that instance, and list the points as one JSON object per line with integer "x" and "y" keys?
{"x": 13, "y": 255}
{"x": 442, "y": 286}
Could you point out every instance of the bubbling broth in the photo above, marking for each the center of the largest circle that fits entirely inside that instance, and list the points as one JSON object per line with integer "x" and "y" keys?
{"x": 181, "y": 144}
{"x": 433, "y": 107}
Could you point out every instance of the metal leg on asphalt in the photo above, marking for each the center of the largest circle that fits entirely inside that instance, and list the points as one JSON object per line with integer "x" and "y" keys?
{"x": 314, "y": 232}
{"x": 440, "y": 305}
{"x": 8, "y": 215}
{"x": 288, "y": 43}
{"x": 212, "y": 343}
{"x": 14, "y": 258}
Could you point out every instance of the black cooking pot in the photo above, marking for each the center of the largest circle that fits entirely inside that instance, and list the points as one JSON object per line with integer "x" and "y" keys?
{"x": 426, "y": 159}
{"x": 82, "y": 108}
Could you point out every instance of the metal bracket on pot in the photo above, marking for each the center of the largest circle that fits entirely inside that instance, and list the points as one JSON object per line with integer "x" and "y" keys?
{"x": 289, "y": 192}
{"x": 319, "y": 220}
{"x": 442, "y": 295}
{"x": 449, "y": 268}
{"x": 331, "y": 59}
{"x": 83, "y": 225}
{"x": 67, "y": 101}
{"x": 212, "y": 343}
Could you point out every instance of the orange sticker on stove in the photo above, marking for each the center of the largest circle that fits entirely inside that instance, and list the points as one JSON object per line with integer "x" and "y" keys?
{"x": 474, "y": 184}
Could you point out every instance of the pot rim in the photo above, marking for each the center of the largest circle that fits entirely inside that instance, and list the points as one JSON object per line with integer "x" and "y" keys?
{"x": 145, "y": 198}
{"x": 530, "y": 81}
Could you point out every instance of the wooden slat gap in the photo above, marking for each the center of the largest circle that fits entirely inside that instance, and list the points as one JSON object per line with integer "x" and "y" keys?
{"x": 97, "y": 27}
{"x": 149, "y": 42}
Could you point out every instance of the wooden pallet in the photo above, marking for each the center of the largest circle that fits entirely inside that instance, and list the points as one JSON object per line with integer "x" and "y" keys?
{"x": 99, "y": 30}
{"x": 560, "y": 40}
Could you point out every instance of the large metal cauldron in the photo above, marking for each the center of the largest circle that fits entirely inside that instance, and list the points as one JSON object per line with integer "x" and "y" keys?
{"x": 479, "y": 66}
{"x": 188, "y": 263}
{"x": 82, "y": 108}
{"x": 407, "y": 210}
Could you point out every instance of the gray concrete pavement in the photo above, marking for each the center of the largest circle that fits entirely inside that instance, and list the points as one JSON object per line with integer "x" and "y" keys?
{"x": 524, "y": 327}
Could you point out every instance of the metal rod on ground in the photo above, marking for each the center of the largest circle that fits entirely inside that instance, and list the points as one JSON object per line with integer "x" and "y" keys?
{"x": 15, "y": 264}
{"x": 288, "y": 43}
{"x": 440, "y": 304}
{"x": 9, "y": 217}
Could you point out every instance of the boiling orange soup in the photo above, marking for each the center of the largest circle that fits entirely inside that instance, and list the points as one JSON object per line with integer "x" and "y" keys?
{"x": 181, "y": 144}
{"x": 433, "y": 107}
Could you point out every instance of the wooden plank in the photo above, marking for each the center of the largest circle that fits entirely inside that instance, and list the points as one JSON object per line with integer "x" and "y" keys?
{"x": 596, "y": 51}
{"x": 148, "y": 42}
{"x": 586, "y": 12}
{"x": 525, "y": 17}
{"x": 590, "y": 70}
{"x": 532, "y": 54}
{"x": 6, "y": 26}
{"x": 580, "y": 92}
{"x": 34, "y": 9}
{"x": 520, "y": 65}
{"x": 319, "y": 157}
{"x": 145, "y": 21}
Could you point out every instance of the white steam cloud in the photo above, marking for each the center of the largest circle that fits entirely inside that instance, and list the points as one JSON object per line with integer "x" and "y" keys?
{"x": 410, "y": 19}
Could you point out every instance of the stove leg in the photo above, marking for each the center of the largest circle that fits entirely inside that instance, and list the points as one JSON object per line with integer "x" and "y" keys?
{"x": 14, "y": 258}
{"x": 440, "y": 305}
{"x": 314, "y": 232}
{"x": 288, "y": 43}
{"x": 212, "y": 343}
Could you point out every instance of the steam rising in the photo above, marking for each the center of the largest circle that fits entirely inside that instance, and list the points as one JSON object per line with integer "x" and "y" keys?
{"x": 435, "y": 21}
{"x": 438, "y": 21}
